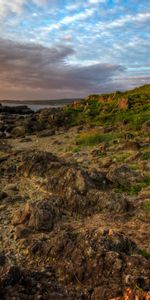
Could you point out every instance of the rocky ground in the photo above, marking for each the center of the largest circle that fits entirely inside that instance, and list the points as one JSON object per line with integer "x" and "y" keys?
{"x": 74, "y": 218}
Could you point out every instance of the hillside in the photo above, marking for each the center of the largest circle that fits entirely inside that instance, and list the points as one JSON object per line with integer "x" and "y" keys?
{"x": 75, "y": 200}
{"x": 132, "y": 106}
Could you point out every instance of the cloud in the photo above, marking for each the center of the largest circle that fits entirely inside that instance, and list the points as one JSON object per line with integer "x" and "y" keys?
{"x": 70, "y": 19}
{"x": 120, "y": 22}
{"x": 35, "y": 67}
{"x": 18, "y": 6}
{"x": 96, "y": 1}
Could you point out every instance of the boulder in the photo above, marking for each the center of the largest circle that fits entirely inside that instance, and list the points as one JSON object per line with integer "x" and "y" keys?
{"x": 123, "y": 175}
{"x": 46, "y": 133}
{"x": 18, "y": 131}
{"x": 37, "y": 216}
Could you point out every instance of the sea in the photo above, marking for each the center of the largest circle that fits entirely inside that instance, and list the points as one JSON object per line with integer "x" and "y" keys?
{"x": 34, "y": 107}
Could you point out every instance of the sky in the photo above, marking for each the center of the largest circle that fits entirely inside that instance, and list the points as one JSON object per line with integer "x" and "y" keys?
{"x": 51, "y": 49}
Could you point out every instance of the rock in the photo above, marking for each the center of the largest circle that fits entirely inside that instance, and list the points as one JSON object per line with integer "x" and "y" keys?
{"x": 26, "y": 140}
{"x": 128, "y": 136}
{"x": 119, "y": 203}
{"x": 37, "y": 163}
{"x": 118, "y": 242}
{"x": 22, "y": 232}
{"x": 3, "y": 195}
{"x": 108, "y": 129}
{"x": 21, "y": 217}
{"x": 123, "y": 175}
{"x": 123, "y": 103}
{"x": 29, "y": 285}
{"x": 106, "y": 162}
{"x": 103, "y": 148}
{"x": 2, "y": 207}
{"x": 42, "y": 216}
{"x": 12, "y": 276}
{"x": 56, "y": 142}
{"x": 132, "y": 145}
{"x": 2, "y": 259}
{"x": 46, "y": 133}
{"x": 146, "y": 127}
{"x": 80, "y": 182}
{"x": 11, "y": 187}
{"x": 20, "y": 109}
{"x": 38, "y": 216}
{"x": 18, "y": 131}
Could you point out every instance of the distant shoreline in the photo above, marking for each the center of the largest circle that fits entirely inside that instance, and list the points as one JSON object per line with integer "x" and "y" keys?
{"x": 40, "y": 102}
{"x": 36, "y": 105}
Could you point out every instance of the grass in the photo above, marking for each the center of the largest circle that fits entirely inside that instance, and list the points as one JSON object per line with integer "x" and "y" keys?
{"x": 144, "y": 253}
{"x": 121, "y": 157}
{"x": 146, "y": 156}
{"x": 94, "y": 137}
{"x": 145, "y": 182}
{"x": 135, "y": 189}
{"x": 146, "y": 207}
{"x": 92, "y": 110}
{"x": 76, "y": 149}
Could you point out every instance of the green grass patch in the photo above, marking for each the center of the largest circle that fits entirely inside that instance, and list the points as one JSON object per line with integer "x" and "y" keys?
{"x": 76, "y": 149}
{"x": 93, "y": 137}
{"x": 121, "y": 157}
{"x": 134, "y": 190}
{"x": 144, "y": 253}
{"x": 145, "y": 182}
{"x": 146, "y": 207}
{"x": 146, "y": 156}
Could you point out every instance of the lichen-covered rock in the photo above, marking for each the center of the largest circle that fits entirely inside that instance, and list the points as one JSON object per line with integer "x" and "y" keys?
{"x": 123, "y": 175}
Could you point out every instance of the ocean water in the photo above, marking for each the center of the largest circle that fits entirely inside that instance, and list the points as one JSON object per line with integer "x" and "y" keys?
{"x": 34, "y": 107}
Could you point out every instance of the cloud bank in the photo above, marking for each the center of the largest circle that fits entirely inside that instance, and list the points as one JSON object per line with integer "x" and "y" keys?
{"x": 35, "y": 67}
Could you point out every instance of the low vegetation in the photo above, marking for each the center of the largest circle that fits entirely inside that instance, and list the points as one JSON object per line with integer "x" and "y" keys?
{"x": 131, "y": 107}
{"x": 94, "y": 137}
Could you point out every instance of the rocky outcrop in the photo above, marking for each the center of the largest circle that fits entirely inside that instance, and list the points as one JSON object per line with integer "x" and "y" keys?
{"x": 37, "y": 216}
{"x": 104, "y": 261}
{"x": 77, "y": 189}
{"x": 123, "y": 175}
{"x": 123, "y": 103}
{"x": 21, "y": 110}
{"x": 16, "y": 283}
